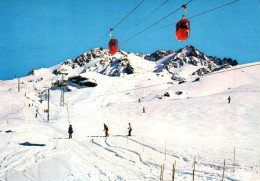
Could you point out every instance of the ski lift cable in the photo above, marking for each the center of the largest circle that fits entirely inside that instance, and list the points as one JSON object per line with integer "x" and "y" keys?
{"x": 152, "y": 12}
{"x": 68, "y": 113}
{"x": 119, "y": 92}
{"x": 155, "y": 23}
{"x": 149, "y": 26}
{"x": 102, "y": 38}
{"x": 213, "y": 9}
{"x": 119, "y": 22}
{"x": 128, "y": 14}
{"x": 228, "y": 70}
{"x": 199, "y": 14}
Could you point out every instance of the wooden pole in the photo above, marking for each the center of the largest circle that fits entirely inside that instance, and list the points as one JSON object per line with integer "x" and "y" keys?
{"x": 173, "y": 171}
{"x": 161, "y": 174}
{"x": 162, "y": 171}
{"x": 234, "y": 159}
{"x": 165, "y": 151}
{"x": 193, "y": 169}
{"x": 224, "y": 170}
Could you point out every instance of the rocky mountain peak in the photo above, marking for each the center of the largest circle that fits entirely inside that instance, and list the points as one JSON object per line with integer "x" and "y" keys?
{"x": 198, "y": 62}
{"x": 190, "y": 51}
{"x": 159, "y": 54}
{"x": 99, "y": 60}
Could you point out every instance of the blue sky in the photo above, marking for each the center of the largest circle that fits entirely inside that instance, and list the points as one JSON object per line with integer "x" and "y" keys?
{"x": 37, "y": 34}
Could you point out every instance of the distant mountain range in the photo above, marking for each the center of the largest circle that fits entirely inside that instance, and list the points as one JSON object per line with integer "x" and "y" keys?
{"x": 194, "y": 62}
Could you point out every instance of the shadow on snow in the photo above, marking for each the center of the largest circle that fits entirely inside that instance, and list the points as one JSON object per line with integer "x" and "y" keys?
{"x": 31, "y": 144}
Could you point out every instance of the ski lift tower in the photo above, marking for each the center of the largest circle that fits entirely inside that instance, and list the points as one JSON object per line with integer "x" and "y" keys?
{"x": 19, "y": 84}
{"x": 48, "y": 110}
{"x": 63, "y": 85}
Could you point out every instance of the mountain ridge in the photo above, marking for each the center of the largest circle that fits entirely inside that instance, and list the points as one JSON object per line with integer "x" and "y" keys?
{"x": 99, "y": 60}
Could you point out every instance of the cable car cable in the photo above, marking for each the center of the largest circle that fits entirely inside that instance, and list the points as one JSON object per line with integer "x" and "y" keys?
{"x": 200, "y": 14}
{"x": 119, "y": 92}
{"x": 102, "y": 38}
{"x": 128, "y": 14}
{"x": 154, "y": 23}
{"x": 119, "y": 22}
{"x": 227, "y": 70}
{"x": 214, "y": 9}
{"x": 152, "y": 12}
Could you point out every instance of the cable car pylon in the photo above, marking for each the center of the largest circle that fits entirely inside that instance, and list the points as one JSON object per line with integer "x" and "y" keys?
{"x": 63, "y": 85}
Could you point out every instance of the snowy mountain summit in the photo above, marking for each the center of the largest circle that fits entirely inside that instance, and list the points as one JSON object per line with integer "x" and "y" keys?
{"x": 99, "y": 60}
{"x": 182, "y": 64}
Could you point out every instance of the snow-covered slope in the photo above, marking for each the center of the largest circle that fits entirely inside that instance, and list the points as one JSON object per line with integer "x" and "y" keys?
{"x": 181, "y": 121}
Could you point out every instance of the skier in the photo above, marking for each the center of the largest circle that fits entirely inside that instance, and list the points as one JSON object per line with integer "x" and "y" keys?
{"x": 229, "y": 99}
{"x": 130, "y": 130}
{"x": 106, "y": 130}
{"x": 70, "y": 131}
{"x": 143, "y": 109}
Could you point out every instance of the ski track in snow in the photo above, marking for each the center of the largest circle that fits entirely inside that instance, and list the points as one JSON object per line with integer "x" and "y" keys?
{"x": 117, "y": 153}
{"x": 138, "y": 155}
{"x": 120, "y": 151}
{"x": 20, "y": 159}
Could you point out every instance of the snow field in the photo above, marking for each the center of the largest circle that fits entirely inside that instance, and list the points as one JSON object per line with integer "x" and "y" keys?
{"x": 199, "y": 123}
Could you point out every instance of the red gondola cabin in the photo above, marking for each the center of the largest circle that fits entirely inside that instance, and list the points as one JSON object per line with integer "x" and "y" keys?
{"x": 183, "y": 29}
{"x": 113, "y": 45}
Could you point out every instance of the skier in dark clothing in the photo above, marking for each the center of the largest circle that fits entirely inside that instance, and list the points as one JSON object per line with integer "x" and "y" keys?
{"x": 70, "y": 131}
{"x": 106, "y": 130}
{"x": 129, "y": 130}
{"x": 229, "y": 99}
